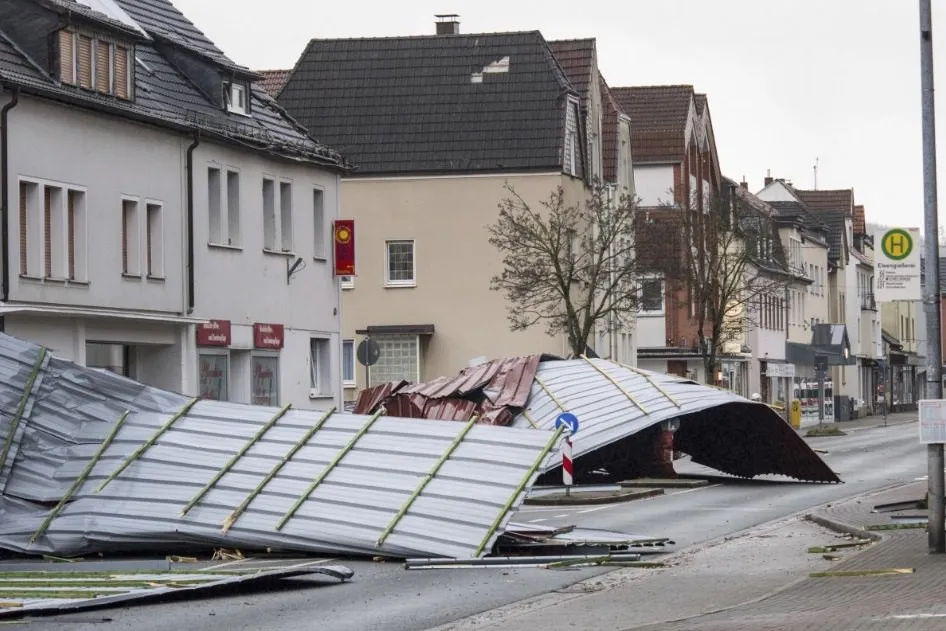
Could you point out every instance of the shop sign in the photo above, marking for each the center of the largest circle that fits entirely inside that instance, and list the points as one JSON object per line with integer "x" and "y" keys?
{"x": 344, "y": 230}
{"x": 213, "y": 333}
{"x": 268, "y": 335}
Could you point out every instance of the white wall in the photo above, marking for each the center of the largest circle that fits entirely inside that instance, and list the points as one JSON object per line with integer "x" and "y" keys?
{"x": 654, "y": 184}
{"x": 651, "y": 331}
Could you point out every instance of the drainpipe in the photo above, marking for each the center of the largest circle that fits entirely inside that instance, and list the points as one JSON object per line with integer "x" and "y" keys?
{"x": 190, "y": 222}
{"x": 5, "y": 201}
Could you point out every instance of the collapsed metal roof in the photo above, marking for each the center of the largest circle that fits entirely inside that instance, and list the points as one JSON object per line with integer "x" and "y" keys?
{"x": 620, "y": 409}
{"x": 92, "y": 461}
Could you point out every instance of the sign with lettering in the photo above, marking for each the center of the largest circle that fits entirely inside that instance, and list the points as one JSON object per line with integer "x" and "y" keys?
{"x": 780, "y": 370}
{"x": 268, "y": 335}
{"x": 344, "y": 239}
{"x": 213, "y": 333}
{"x": 897, "y": 264}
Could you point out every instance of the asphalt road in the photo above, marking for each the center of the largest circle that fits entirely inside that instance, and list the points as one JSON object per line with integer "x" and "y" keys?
{"x": 386, "y": 597}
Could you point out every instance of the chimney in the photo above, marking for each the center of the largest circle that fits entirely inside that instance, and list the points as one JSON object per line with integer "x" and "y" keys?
{"x": 448, "y": 24}
{"x": 744, "y": 184}
{"x": 768, "y": 177}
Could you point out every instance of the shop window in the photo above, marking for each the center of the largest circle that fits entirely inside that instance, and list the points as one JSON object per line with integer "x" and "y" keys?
{"x": 214, "y": 374}
{"x": 265, "y": 380}
{"x": 320, "y": 367}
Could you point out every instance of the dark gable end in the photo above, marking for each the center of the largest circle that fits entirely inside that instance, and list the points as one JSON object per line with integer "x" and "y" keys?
{"x": 492, "y": 102}
{"x": 659, "y": 117}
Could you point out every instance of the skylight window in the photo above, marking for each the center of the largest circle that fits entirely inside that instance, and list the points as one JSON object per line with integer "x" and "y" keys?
{"x": 111, "y": 9}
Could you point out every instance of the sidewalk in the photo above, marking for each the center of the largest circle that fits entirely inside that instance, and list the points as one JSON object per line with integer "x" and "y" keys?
{"x": 868, "y": 422}
{"x": 901, "y": 602}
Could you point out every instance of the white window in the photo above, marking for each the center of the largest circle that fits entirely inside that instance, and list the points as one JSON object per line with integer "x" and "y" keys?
{"x": 400, "y": 264}
{"x": 233, "y": 208}
{"x": 285, "y": 216}
{"x": 214, "y": 206}
{"x": 320, "y": 367}
{"x": 399, "y": 359}
{"x": 223, "y": 206}
{"x": 235, "y": 95}
{"x": 652, "y": 295}
{"x": 571, "y": 156}
{"x": 277, "y": 216}
{"x": 348, "y": 363}
{"x": 269, "y": 214}
{"x": 318, "y": 224}
{"x": 131, "y": 238}
{"x": 348, "y": 282}
{"x": 52, "y": 232}
{"x": 77, "y": 233}
{"x": 154, "y": 240}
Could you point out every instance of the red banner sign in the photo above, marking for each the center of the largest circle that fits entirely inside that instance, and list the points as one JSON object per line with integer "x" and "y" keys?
{"x": 268, "y": 335}
{"x": 213, "y": 333}
{"x": 344, "y": 247}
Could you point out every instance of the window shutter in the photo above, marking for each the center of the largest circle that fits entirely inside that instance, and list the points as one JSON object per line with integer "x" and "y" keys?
{"x": 103, "y": 77}
{"x": 66, "y": 59}
{"x": 47, "y": 232}
{"x": 85, "y": 62}
{"x": 24, "y": 253}
{"x": 124, "y": 239}
{"x": 121, "y": 72}
{"x": 72, "y": 234}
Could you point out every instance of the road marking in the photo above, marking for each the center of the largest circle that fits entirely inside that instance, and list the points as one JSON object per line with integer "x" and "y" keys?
{"x": 744, "y": 509}
{"x": 535, "y": 521}
{"x": 593, "y": 509}
{"x": 562, "y": 515}
{"x": 217, "y": 567}
{"x": 913, "y": 616}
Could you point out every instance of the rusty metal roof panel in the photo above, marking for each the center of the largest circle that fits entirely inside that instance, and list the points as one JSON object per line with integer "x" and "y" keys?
{"x": 214, "y": 457}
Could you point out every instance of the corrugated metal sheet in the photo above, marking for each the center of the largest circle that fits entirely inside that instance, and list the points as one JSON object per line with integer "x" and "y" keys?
{"x": 386, "y": 475}
{"x": 719, "y": 428}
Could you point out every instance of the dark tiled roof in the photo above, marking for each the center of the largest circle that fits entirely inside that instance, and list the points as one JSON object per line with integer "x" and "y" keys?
{"x": 273, "y": 81}
{"x": 700, "y": 103}
{"x": 797, "y": 211}
{"x": 860, "y": 220}
{"x": 658, "y": 120}
{"x": 164, "y": 96}
{"x": 821, "y": 200}
{"x": 577, "y": 58}
{"x": 834, "y": 220}
{"x": 410, "y": 105}
{"x": 609, "y": 131}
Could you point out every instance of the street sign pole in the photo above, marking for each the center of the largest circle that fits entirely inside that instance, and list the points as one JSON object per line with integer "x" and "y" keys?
{"x": 569, "y": 422}
{"x": 934, "y": 385}
{"x": 821, "y": 368}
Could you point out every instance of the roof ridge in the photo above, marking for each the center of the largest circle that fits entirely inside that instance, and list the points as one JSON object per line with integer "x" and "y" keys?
{"x": 424, "y": 36}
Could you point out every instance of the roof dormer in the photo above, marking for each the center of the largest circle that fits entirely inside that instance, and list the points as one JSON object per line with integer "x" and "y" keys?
{"x": 94, "y": 61}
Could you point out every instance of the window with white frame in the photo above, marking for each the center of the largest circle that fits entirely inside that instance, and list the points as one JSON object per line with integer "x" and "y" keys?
{"x": 571, "y": 156}
{"x": 347, "y": 282}
{"x": 285, "y": 216}
{"x": 320, "y": 367}
{"x": 236, "y": 97}
{"x": 131, "y": 238}
{"x": 52, "y": 231}
{"x": 399, "y": 359}
{"x": 651, "y": 296}
{"x": 277, "y": 216}
{"x": 400, "y": 264}
{"x": 94, "y": 63}
{"x": 320, "y": 249}
{"x": 154, "y": 240}
{"x": 348, "y": 363}
{"x": 223, "y": 206}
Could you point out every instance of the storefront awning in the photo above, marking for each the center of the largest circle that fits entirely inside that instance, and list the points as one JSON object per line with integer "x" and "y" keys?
{"x": 397, "y": 329}
{"x": 91, "y": 312}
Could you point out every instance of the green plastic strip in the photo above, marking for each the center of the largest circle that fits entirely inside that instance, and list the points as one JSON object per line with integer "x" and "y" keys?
{"x": 651, "y": 381}
{"x": 616, "y": 384}
{"x": 81, "y": 479}
{"x": 549, "y": 392}
{"x": 147, "y": 445}
{"x": 235, "y": 515}
{"x": 18, "y": 415}
{"x": 249, "y": 445}
{"x": 331, "y": 466}
{"x": 519, "y": 489}
{"x": 426, "y": 480}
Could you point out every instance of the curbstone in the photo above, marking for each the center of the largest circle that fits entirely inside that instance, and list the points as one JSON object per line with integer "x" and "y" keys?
{"x": 585, "y": 498}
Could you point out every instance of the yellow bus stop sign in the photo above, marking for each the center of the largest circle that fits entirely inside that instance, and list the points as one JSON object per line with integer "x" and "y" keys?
{"x": 897, "y": 244}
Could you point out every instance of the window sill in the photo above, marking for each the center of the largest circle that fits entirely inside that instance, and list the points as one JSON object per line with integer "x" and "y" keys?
{"x": 225, "y": 246}
{"x": 650, "y": 314}
{"x": 131, "y": 276}
{"x": 400, "y": 285}
{"x": 286, "y": 253}
{"x": 65, "y": 282}
{"x": 349, "y": 385}
{"x": 320, "y": 259}
{"x": 156, "y": 279}
{"x": 347, "y": 287}
{"x": 313, "y": 394}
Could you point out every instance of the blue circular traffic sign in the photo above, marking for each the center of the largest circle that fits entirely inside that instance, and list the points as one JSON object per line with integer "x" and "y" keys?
{"x": 569, "y": 420}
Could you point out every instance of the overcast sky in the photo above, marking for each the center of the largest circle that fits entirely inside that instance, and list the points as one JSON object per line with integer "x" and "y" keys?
{"x": 788, "y": 81}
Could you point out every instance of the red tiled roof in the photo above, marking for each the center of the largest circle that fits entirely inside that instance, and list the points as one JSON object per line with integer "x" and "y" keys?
{"x": 827, "y": 200}
{"x": 658, "y": 120}
{"x": 860, "y": 220}
{"x": 274, "y": 80}
{"x": 576, "y": 57}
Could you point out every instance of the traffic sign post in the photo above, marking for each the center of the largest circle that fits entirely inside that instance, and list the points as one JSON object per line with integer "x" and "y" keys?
{"x": 821, "y": 367}
{"x": 570, "y": 422}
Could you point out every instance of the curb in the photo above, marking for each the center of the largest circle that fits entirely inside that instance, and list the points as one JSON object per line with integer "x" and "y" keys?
{"x": 576, "y": 500}
{"x": 843, "y": 528}
{"x": 679, "y": 483}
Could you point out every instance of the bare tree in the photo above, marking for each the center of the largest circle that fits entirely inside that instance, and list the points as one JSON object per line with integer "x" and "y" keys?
{"x": 569, "y": 266}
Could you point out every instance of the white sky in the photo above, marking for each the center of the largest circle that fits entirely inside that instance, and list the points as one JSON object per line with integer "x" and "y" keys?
{"x": 787, "y": 80}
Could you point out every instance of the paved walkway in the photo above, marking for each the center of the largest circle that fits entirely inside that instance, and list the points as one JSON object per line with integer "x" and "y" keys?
{"x": 902, "y": 602}
{"x": 868, "y": 422}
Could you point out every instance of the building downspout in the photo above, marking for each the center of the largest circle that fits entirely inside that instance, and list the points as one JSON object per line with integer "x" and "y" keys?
{"x": 5, "y": 201}
{"x": 190, "y": 223}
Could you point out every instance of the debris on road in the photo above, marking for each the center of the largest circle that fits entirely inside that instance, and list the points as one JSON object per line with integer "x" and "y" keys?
{"x": 621, "y": 409}
{"x": 94, "y": 462}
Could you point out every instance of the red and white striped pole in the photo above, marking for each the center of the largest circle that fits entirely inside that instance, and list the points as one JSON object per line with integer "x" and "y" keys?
{"x": 567, "y": 468}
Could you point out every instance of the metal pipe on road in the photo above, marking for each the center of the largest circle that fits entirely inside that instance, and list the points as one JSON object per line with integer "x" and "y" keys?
{"x": 931, "y": 297}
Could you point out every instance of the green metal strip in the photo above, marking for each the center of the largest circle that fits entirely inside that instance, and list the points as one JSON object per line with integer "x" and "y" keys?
{"x": 149, "y": 443}
{"x": 651, "y": 382}
{"x": 519, "y": 489}
{"x": 81, "y": 479}
{"x": 616, "y": 384}
{"x": 427, "y": 478}
{"x": 18, "y": 415}
{"x": 235, "y": 515}
{"x": 331, "y": 466}
{"x": 549, "y": 392}
{"x": 246, "y": 447}
{"x": 529, "y": 418}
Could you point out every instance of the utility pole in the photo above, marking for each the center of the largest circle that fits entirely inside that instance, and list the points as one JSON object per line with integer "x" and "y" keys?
{"x": 934, "y": 384}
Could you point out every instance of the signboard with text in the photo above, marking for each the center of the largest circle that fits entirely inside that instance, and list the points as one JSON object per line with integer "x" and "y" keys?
{"x": 780, "y": 370}
{"x": 268, "y": 335}
{"x": 213, "y": 333}
{"x": 897, "y": 264}
{"x": 344, "y": 240}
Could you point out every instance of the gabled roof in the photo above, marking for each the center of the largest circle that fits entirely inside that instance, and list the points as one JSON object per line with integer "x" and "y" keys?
{"x": 659, "y": 117}
{"x": 577, "y": 58}
{"x": 860, "y": 220}
{"x": 273, "y": 81}
{"x": 796, "y": 211}
{"x": 835, "y": 221}
{"x": 700, "y": 100}
{"x": 489, "y": 102}
{"x": 164, "y": 95}
{"x": 609, "y": 131}
{"x": 821, "y": 200}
